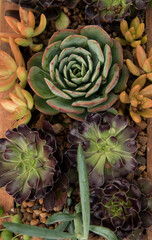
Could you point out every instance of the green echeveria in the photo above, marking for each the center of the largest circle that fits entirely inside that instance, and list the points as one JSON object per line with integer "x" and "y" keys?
{"x": 109, "y": 146}
{"x": 79, "y": 72}
{"x": 30, "y": 166}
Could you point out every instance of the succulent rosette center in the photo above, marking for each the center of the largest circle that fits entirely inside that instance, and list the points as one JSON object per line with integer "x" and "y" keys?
{"x": 108, "y": 144}
{"x": 80, "y": 71}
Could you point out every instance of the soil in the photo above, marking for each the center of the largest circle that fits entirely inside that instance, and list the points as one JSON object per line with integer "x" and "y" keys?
{"x": 33, "y": 212}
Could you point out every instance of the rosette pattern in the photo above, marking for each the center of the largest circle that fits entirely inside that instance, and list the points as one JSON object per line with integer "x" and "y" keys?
{"x": 79, "y": 72}
{"x": 30, "y": 166}
{"x": 123, "y": 206}
{"x": 108, "y": 144}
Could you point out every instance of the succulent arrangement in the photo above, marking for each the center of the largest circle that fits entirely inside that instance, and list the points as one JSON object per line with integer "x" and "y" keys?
{"x": 25, "y": 29}
{"x": 76, "y": 112}
{"x": 133, "y": 35}
{"x": 109, "y": 146}
{"x": 81, "y": 71}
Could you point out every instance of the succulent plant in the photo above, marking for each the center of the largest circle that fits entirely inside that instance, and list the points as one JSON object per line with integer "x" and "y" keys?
{"x": 110, "y": 10}
{"x": 143, "y": 62}
{"x": 80, "y": 71}
{"x": 51, "y": 9}
{"x": 25, "y": 29}
{"x": 12, "y": 69}
{"x": 19, "y": 105}
{"x": 133, "y": 35}
{"x": 108, "y": 144}
{"x": 123, "y": 206}
{"x": 139, "y": 99}
{"x": 31, "y": 166}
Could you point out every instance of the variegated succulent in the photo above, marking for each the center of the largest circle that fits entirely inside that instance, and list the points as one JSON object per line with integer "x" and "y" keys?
{"x": 12, "y": 70}
{"x": 19, "y": 106}
{"x": 139, "y": 99}
{"x": 25, "y": 29}
{"x": 80, "y": 71}
{"x": 109, "y": 146}
{"x": 112, "y": 10}
{"x": 133, "y": 35}
{"x": 32, "y": 167}
{"x": 144, "y": 63}
{"x": 123, "y": 206}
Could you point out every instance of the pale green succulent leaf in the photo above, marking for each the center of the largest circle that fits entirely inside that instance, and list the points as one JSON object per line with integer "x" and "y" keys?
{"x": 37, "y": 83}
{"x": 43, "y": 107}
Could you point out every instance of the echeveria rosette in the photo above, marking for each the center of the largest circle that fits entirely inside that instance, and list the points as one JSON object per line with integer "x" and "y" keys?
{"x": 109, "y": 146}
{"x": 28, "y": 166}
{"x": 123, "y": 206}
{"x": 112, "y": 10}
{"x": 79, "y": 72}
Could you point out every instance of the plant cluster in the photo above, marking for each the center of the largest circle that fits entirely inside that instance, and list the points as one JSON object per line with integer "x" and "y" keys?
{"x": 139, "y": 99}
{"x": 12, "y": 70}
{"x": 19, "y": 105}
{"x": 51, "y": 9}
{"x": 81, "y": 73}
{"x": 133, "y": 35}
{"x": 112, "y": 10}
{"x": 25, "y": 29}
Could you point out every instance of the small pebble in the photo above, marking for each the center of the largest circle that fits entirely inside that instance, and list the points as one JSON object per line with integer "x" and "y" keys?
{"x": 142, "y": 140}
{"x": 34, "y": 222}
{"x": 58, "y": 128}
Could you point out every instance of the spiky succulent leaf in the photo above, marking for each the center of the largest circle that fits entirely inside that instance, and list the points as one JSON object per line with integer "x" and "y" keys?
{"x": 108, "y": 144}
{"x": 31, "y": 166}
{"x": 81, "y": 71}
{"x": 123, "y": 206}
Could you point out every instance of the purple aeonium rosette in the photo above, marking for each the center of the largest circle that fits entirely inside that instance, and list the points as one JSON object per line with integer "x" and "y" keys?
{"x": 109, "y": 146}
{"x": 123, "y": 206}
{"x": 31, "y": 165}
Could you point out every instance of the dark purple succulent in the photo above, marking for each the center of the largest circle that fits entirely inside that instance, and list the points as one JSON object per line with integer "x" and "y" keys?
{"x": 32, "y": 167}
{"x": 111, "y": 10}
{"x": 124, "y": 207}
{"x": 109, "y": 146}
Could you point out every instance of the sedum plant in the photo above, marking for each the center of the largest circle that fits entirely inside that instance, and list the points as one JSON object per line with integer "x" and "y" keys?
{"x": 77, "y": 224}
{"x": 25, "y": 29}
{"x": 19, "y": 105}
{"x": 80, "y": 71}
{"x": 123, "y": 206}
{"x": 133, "y": 35}
{"x": 51, "y": 9}
{"x": 139, "y": 99}
{"x": 12, "y": 70}
{"x": 112, "y": 10}
{"x": 109, "y": 146}
{"x": 32, "y": 167}
{"x": 144, "y": 63}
